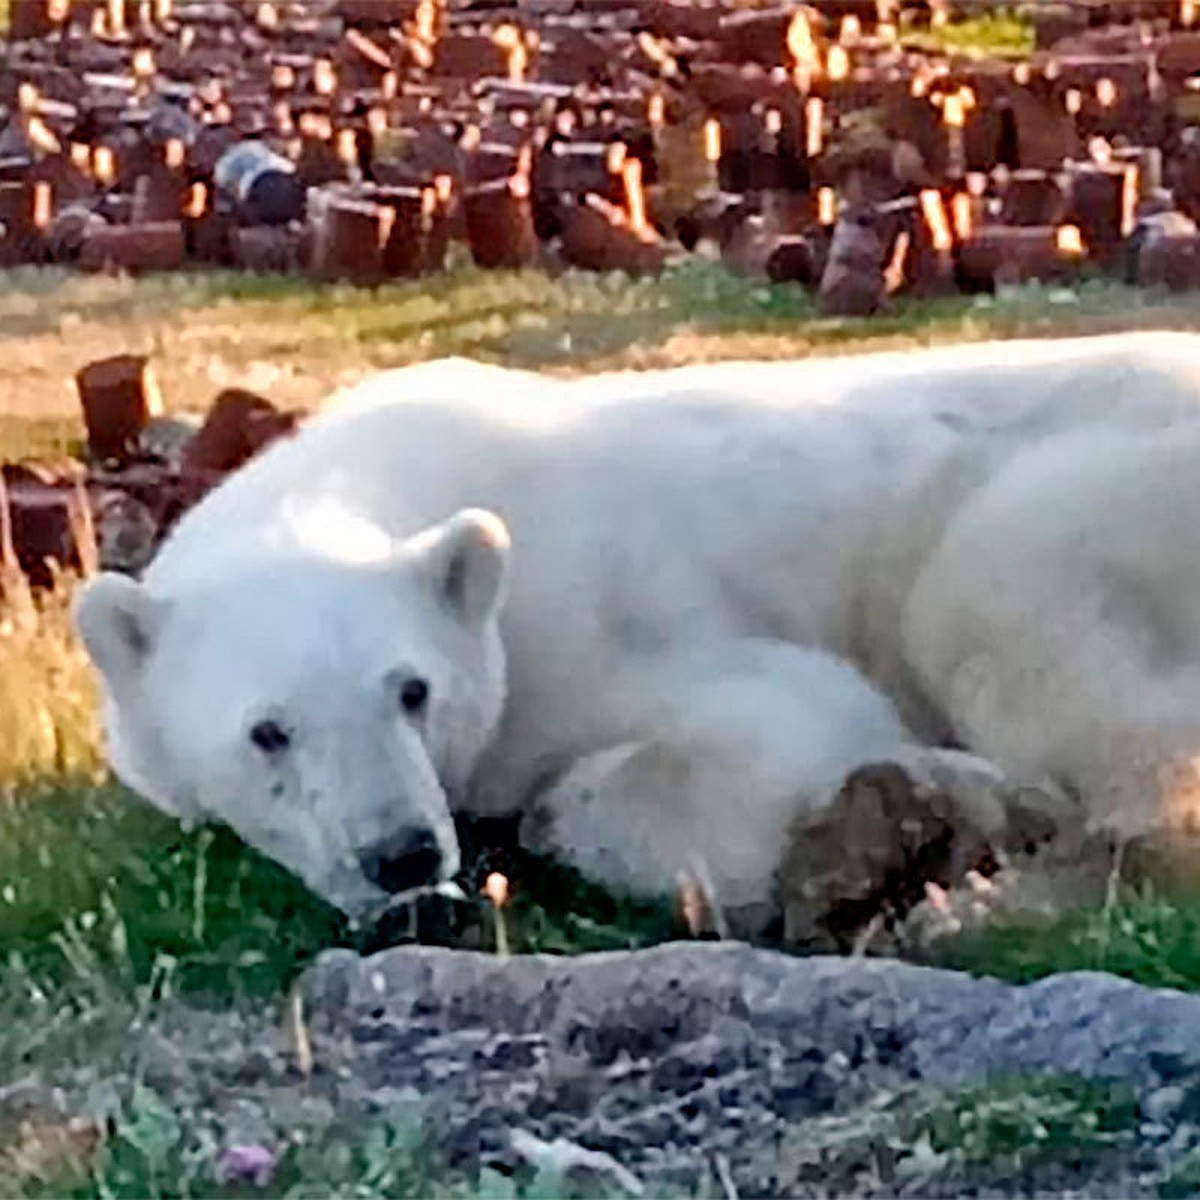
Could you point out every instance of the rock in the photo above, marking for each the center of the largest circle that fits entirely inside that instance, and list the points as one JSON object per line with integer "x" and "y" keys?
{"x": 126, "y": 532}
{"x": 693, "y": 1044}
{"x": 601, "y": 1007}
{"x": 1164, "y": 1103}
{"x": 164, "y": 1065}
{"x": 164, "y": 438}
{"x": 245, "y": 1123}
{"x": 69, "y": 229}
{"x": 792, "y": 260}
{"x": 661, "y": 1063}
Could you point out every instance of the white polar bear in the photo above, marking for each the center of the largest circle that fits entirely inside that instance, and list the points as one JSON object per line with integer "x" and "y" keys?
{"x": 729, "y": 585}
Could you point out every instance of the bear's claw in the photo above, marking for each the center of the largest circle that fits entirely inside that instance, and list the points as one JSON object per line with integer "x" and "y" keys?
{"x": 896, "y": 833}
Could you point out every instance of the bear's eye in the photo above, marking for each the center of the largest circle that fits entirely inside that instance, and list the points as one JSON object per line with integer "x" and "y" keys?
{"x": 270, "y": 737}
{"x": 413, "y": 695}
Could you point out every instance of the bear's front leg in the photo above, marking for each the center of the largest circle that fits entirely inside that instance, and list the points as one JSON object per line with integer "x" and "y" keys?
{"x": 736, "y": 743}
{"x": 929, "y": 816}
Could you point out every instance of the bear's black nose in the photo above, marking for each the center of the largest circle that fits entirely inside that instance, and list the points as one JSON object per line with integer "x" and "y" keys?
{"x": 410, "y": 858}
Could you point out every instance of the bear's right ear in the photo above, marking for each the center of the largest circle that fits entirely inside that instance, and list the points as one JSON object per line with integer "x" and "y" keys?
{"x": 466, "y": 558}
{"x": 117, "y": 621}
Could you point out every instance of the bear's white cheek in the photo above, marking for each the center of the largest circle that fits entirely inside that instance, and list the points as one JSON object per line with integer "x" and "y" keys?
{"x": 450, "y": 740}
{"x": 315, "y": 803}
{"x": 139, "y": 769}
{"x": 267, "y": 808}
{"x": 215, "y": 778}
{"x": 459, "y": 727}
{"x": 138, "y": 752}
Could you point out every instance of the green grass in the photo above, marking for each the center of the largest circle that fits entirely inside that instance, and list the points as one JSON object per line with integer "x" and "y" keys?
{"x": 1151, "y": 934}
{"x": 111, "y": 912}
{"x": 102, "y": 893}
{"x": 1005, "y": 1127}
{"x": 1184, "y": 1179}
{"x": 156, "y": 1153}
{"x": 1003, "y": 34}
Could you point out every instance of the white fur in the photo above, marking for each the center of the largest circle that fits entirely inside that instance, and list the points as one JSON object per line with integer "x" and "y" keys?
{"x": 707, "y": 566}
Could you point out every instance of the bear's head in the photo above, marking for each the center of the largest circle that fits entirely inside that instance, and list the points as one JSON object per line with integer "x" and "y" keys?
{"x": 328, "y": 709}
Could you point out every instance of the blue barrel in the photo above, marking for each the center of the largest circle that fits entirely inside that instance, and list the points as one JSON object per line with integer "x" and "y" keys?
{"x": 259, "y": 185}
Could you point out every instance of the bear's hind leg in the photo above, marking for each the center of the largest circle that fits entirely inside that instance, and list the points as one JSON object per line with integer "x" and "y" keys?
{"x": 1049, "y": 669}
{"x": 1056, "y": 624}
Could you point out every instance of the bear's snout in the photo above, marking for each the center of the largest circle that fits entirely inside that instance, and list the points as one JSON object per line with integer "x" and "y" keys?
{"x": 409, "y": 859}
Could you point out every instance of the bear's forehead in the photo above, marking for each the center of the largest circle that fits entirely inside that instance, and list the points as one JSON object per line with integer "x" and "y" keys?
{"x": 288, "y": 619}
{"x": 283, "y": 632}
{"x": 211, "y": 700}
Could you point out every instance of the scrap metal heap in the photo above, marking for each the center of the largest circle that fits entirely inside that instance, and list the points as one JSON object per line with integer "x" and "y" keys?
{"x": 360, "y": 139}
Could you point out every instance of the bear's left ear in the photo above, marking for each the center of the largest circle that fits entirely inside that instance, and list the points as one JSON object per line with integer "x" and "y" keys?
{"x": 118, "y": 622}
{"x": 467, "y": 558}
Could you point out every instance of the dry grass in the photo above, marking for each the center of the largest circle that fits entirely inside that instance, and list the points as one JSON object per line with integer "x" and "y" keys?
{"x": 295, "y": 341}
{"x": 47, "y": 699}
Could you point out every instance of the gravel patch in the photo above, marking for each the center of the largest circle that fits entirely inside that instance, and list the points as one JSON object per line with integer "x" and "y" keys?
{"x": 695, "y": 1068}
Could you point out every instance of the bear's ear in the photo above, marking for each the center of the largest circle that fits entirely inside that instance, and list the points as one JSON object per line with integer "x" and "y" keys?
{"x": 467, "y": 559}
{"x": 117, "y": 621}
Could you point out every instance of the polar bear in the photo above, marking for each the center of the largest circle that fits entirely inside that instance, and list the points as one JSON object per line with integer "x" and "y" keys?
{"x": 663, "y": 612}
